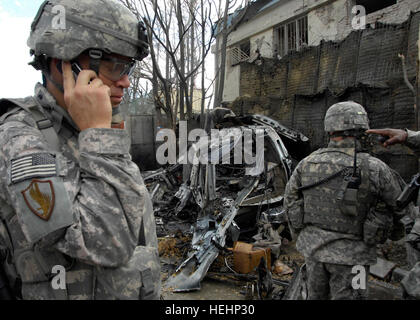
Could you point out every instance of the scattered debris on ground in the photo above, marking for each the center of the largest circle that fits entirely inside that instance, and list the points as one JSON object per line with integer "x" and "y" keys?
{"x": 224, "y": 222}
{"x": 223, "y": 203}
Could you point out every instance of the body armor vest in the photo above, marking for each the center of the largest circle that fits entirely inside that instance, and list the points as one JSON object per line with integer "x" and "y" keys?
{"x": 323, "y": 203}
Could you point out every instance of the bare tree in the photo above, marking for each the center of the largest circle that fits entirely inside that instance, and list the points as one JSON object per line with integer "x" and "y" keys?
{"x": 181, "y": 33}
{"x": 171, "y": 26}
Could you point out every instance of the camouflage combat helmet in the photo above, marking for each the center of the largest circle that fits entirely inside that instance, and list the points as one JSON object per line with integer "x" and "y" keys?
{"x": 99, "y": 25}
{"x": 345, "y": 116}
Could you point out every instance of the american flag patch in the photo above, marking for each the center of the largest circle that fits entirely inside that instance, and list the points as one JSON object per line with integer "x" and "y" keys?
{"x": 36, "y": 165}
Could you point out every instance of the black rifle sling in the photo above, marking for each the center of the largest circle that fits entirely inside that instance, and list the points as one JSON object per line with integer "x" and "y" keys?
{"x": 325, "y": 180}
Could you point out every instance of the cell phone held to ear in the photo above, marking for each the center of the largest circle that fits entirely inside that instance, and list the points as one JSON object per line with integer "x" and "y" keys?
{"x": 75, "y": 67}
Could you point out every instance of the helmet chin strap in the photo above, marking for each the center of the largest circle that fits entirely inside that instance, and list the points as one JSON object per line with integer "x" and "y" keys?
{"x": 94, "y": 63}
{"x": 95, "y": 60}
{"x": 59, "y": 86}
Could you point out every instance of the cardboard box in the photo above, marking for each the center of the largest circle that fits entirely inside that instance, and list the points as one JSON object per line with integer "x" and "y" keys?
{"x": 246, "y": 258}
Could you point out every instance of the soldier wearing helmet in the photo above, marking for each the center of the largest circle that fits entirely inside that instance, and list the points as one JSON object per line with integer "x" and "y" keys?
{"x": 340, "y": 203}
{"x": 76, "y": 218}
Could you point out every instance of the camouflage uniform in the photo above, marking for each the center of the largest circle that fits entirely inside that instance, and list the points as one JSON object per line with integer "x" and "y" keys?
{"x": 334, "y": 241}
{"x": 411, "y": 283}
{"x": 73, "y": 199}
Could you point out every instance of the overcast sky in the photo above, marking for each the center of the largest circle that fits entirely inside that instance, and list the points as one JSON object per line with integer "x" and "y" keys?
{"x": 17, "y": 78}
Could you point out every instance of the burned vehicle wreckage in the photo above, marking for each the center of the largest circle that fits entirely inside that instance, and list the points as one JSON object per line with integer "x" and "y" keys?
{"x": 224, "y": 200}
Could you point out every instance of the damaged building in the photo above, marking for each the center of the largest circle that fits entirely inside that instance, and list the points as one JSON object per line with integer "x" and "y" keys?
{"x": 291, "y": 60}
{"x": 273, "y": 29}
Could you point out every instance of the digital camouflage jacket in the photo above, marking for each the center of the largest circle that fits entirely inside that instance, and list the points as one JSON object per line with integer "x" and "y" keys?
{"x": 81, "y": 204}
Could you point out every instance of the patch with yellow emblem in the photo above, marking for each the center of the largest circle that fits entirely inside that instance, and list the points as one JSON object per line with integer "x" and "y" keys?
{"x": 38, "y": 189}
{"x": 40, "y": 198}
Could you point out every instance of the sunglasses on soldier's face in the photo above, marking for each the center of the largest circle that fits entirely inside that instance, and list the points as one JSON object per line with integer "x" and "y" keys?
{"x": 114, "y": 68}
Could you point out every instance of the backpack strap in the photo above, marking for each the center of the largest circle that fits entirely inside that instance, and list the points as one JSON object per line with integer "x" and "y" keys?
{"x": 33, "y": 254}
{"x": 31, "y": 106}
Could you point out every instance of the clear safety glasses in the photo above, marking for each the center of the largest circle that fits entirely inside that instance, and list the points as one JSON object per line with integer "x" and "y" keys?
{"x": 114, "y": 68}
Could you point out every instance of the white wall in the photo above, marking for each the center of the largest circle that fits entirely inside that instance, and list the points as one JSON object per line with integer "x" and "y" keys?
{"x": 263, "y": 42}
{"x": 273, "y": 16}
{"x": 260, "y": 32}
{"x": 327, "y": 20}
{"x": 232, "y": 81}
{"x": 325, "y": 23}
{"x": 397, "y": 13}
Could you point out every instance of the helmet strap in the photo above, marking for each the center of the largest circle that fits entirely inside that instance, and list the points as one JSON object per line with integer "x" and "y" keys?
{"x": 95, "y": 60}
{"x": 41, "y": 62}
{"x": 55, "y": 83}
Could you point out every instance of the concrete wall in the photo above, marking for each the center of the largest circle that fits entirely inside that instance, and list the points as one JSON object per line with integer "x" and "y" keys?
{"x": 232, "y": 80}
{"x": 263, "y": 42}
{"x": 328, "y": 20}
{"x": 275, "y": 15}
{"x": 395, "y": 14}
{"x": 325, "y": 23}
{"x": 259, "y": 31}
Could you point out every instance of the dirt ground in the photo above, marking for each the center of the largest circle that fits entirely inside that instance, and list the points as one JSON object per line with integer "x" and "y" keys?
{"x": 221, "y": 282}
{"x": 394, "y": 251}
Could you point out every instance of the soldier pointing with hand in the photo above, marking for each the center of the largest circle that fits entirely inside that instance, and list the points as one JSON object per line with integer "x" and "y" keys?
{"x": 393, "y": 136}
{"x": 411, "y": 283}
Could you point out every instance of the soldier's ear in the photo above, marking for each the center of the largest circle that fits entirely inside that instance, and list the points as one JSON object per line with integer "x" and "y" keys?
{"x": 56, "y": 65}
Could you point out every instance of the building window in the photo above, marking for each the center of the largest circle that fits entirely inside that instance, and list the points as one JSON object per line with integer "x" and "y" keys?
{"x": 374, "y": 5}
{"x": 291, "y": 36}
{"x": 240, "y": 53}
{"x": 246, "y": 48}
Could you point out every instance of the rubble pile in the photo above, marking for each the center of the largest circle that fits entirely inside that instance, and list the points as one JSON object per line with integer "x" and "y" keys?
{"x": 218, "y": 207}
{"x": 225, "y": 221}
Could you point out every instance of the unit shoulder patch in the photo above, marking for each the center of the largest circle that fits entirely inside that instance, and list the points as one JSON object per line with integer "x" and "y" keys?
{"x": 40, "y": 198}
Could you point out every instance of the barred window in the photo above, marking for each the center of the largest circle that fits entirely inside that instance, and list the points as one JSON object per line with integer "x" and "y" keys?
{"x": 291, "y": 36}
{"x": 240, "y": 53}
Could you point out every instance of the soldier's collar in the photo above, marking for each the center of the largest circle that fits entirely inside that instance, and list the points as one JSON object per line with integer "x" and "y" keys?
{"x": 345, "y": 143}
{"x": 59, "y": 115}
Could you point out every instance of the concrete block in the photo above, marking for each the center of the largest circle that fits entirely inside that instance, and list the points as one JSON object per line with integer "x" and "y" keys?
{"x": 384, "y": 291}
{"x": 382, "y": 268}
{"x": 398, "y": 274}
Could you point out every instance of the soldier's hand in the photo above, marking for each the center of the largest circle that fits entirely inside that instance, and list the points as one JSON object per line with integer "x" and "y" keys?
{"x": 393, "y": 136}
{"x": 88, "y": 100}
